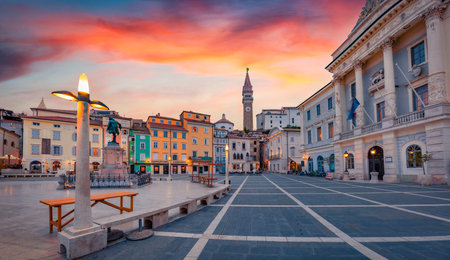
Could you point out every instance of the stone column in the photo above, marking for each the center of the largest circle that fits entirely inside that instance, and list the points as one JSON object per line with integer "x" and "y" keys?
{"x": 338, "y": 159}
{"x": 360, "y": 154}
{"x": 339, "y": 99}
{"x": 390, "y": 150}
{"x": 436, "y": 54}
{"x": 389, "y": 82}
{"x": 359, "y": 93}
{"x": 438, "y": 145}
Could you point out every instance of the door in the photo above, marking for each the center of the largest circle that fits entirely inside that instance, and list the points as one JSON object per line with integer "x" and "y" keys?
{"x": 376, "y": 161}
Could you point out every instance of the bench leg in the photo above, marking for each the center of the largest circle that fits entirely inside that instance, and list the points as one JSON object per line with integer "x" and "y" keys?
{"x": 59, "y": 219}
{"x": 50, "y": 219}
{"x": 121, "y": 204}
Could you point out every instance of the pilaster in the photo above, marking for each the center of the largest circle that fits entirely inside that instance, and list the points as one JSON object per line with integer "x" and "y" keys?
{"x": 338, "y": 159}
{"x": 390, "y": 150}
{"x": 359, "y": 93}
{"x": 359, "y": 158}
{"x": 389, "y": 81}
{"x": 339, "y": 100}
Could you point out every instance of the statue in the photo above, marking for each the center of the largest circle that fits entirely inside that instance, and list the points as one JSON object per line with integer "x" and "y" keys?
{"x": 114, "y": 128}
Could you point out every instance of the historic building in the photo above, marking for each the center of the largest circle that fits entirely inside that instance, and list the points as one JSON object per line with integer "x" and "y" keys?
{"x": 270, "y": 118}
{"x": 317, "y": 120}
{"x": 9, "y": 148}
{"x": 247, "y": 103}
{"x": 12, "y": 122}
{"x": 239, "y": 160}
{"x": 394, "y": 69}
{"x": 283, "y": 146}
{"x": 169, "y": 144}
{"x": 224, "y": 123}
{"x": 139, "y": 147}
{"x": 219, "y": 145}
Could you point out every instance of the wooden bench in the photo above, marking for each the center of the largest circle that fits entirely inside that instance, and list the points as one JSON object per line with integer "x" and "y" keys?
{"x": 98, "y": 198}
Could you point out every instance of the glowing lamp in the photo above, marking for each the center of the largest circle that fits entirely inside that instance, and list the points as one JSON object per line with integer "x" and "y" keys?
{"x": 67, "y": 95}
{"x": 226, "y": 147}
{"x": 345, "y": 154}
{"x": 83, "y": 85}
{"x": 98, "y": 104}
{"x": 372, "y": 151}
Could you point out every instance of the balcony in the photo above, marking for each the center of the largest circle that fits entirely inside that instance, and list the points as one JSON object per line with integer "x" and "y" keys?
{"x": 408, "y": 118}
{"x": 371, "y": 128}
{"x": 274, "y": 157}
{"x": 347, "y": 134}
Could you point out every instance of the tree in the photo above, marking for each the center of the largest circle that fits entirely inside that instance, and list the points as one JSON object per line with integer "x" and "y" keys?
{"x": 421, "y": 158}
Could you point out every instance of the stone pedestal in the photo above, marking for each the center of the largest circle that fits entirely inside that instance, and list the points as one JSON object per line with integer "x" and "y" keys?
{"x": 390, "y": 178}
{"x": 425, "y": 179}
{"x": 373, "y": 177}
{"x": 77, "y": 243}
{"x": 112, "y": 160}
{"x": 345, "y": 176}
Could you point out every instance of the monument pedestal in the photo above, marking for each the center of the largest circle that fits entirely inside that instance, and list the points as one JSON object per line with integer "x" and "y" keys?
{"x": 78, "y": 243}
{"x": 112, "y": 160}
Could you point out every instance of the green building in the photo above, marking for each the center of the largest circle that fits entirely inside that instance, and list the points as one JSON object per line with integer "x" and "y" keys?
{"x": 140, "y": 148}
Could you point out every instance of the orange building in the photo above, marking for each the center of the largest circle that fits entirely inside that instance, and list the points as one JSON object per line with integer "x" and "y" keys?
{"x": 200, "y": 141}
{"x": 169, "y": 145}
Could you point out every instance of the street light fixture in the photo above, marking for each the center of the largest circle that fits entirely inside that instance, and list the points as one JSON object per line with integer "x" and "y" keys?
{"x": 346, "y": 160}
{"x": 83, "y": 213}
{"x": 227, "y": 181}
{"x": 170, "y": 168}
{"x": 373, "y": 152}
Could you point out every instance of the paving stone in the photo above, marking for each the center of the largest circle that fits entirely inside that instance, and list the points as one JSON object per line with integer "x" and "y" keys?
{"x": 330, "y": 199}
{"x": 413, "y": 250}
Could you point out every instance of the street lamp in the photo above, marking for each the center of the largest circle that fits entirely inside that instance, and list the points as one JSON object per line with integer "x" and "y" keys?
{"x": 226, "y": 165}
{"x": 170, "y": 169}
{"x": 346, "y": 160}
{"x": 9, "y": 160}
{"x": 373, "y": 152}
{"x": 83, "y": 214}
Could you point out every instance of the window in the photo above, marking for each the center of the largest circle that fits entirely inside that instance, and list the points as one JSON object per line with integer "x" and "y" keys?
{"x": 161, "y": 121}
{"x": 95, "y": 138}
{"x": 153, "y": 120}
{"x": 350, "y": 161}
{"x": 74, "y": 137}
{"x": 142, "y": 157}
{"x": 183, "y": 157}
{"x": 132, "y": 148}
{"x": 308, "y": 114}
{"x": 380, "y": 111}
{"x": 124, "y": 140}
{"x": 292, "y": 120}
{"x": 95, "y": 129}
{"x": 155, "y": 133}
{"x": 165, "y": 145}
{"x": 124, "y": 132}
{"x": 418, "y": 54}
{"x": 330, "y": 130}
{"x": 57, "y": 150}
{"x": 197, "y": 116}
{"x": 74, "y": 150}
{"x": 174, "y": 145}
{"x": 34, "y": 149}
{"x": 233, "y": 146}
{"x": 57, "y": 126}
{"x": 330, "y": 103}
{"x": 35, "y": 133}
{"x": 206, "y": 130}
{"x": 292, "y": 139}
{"x": 56, "y": 135}
{"x": 165, "y": 156}
{"x": 423, "y": 94}
{"x": 243, "y": 146}
{"x": 194, "y": 154}
{"x": 292, "y": 151}
{"x": 36, "y": 123}
{"x": 319, "y": 134}
{"x": 155, "y": 156}
{"x": 175, "y": 157}
{"x": 320, "y": 164}
{"x": 206, "y": 154}
{"x": 95, "y": 152}
{"x": 177, "y": 123}
{"x": 5, "y": 142}
{"x": 414, "y": 155}
{"x": 174, "y": 134}
{"x": 155, "y": 144}
{"x": 142, "y": 146}
{"x": 194, "y": 129}
{"x": 12, "y": 144}
{"x": 183, "y": 146}
{"x": 194, "y": 140}
{"x": 206, "y": 141}
{"x": 169, "y": 122}
{"x": 309, "y": 136}
{"x": 353, "y": 90}
{"x": 165, "y": 134}
{"x": 318, "y": 110}
{"x": 183, "y": 135}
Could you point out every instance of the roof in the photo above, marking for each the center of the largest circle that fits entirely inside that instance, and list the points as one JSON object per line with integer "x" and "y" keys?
{"x": 9, "y": 131}
{"x": 184, "y": 111}
{"x": 315, "y": 94}
{"x": 247, "y": 84}
{"x": 60, "y": 119}
{"x": 63, "y": 111}
{"x": 141, "y": 130}
{"x": 42, "y": 104}
{"x": 198, "y": 122}
{"x": 163, "y": 117}
{"x": 166, "y": 126}
{"x": 224, "y": 120}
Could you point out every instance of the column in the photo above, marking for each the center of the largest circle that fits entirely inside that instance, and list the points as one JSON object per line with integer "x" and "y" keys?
{"x": 437, "y": 90}
{"x": 390, "y": 150}
{"x": 389, "y": 82}
{"x": 338, "y": 160}
{"x": 359, "y": 93}
{"x": 339, "y": 99}
{"x": 360, "y": 154}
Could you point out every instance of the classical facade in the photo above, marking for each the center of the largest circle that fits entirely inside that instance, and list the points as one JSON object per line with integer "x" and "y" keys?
{"x": 317, "y": 117}
{"x": 283, "y": 146}
{"x": 395, "y": 63}
{"x": 247, "y": 103}
{"x": 270, "y": 118}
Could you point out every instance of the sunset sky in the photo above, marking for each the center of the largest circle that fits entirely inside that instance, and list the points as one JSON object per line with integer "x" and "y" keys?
{"x": 148, "y": 57}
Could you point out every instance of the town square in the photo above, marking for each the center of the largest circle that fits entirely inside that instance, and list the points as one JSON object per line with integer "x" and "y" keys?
{"x": 225, "y": 130}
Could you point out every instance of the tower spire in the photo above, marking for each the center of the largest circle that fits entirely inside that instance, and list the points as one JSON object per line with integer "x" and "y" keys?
{"x": 247, "y": 102}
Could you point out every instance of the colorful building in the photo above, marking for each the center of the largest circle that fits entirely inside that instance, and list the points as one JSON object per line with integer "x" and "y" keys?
{"x": 139, "y": 148}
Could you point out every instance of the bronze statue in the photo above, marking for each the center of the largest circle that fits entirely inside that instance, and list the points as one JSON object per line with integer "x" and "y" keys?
{"x": 113, "y": 128}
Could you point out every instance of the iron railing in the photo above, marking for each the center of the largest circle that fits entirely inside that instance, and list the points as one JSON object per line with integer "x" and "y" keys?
{"x": 111, "y": 181}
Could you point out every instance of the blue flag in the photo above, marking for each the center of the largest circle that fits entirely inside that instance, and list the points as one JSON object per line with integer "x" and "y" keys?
{"x": 355, "y": 104}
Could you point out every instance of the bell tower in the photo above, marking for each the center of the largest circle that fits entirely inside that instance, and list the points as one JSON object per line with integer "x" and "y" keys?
{"x": 247, "y": 102}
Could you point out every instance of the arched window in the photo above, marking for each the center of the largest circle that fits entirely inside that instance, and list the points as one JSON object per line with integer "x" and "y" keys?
{"x": 320, "y": 163}
{"x": 414, "y": 155}
{"x": 332, "y": 163}
{"x": 242, "y": 156}
{"x": 350, "y": 161}
{"x": 56, "y": 165}
{"x": 12, "y": 144}
{"x": 234, "y": 156}
{"x": 310, "y": 164}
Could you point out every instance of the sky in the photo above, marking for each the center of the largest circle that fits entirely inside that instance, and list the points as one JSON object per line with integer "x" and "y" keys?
{"x": 148, "y": 57}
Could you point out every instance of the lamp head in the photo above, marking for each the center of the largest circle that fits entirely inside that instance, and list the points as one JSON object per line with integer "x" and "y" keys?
{"x": 226, "y": 147}
{"x": 83, "y": 85}
{"x": 67, "y": 95}
{"x": 372, "y": 151}
{"x": 98, "y": 104}
{"x": 345, "y": 154}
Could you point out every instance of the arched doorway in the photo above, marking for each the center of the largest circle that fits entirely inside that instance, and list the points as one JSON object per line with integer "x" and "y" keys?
{"x": 320, "y": 164}
{"x": 35, "y": 166}
{"x": 56, "y": 165}
{"x": 376, "y": 161}
{"x": 310, "y": 164}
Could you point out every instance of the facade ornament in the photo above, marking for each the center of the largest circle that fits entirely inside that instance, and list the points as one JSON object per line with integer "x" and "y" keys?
{"x": 357, "y": 64}
{"x": 377, "y": 77}
{"x": 388, "y": 43}
{"x": 416, "y": 71}
{"x": 436, "y": 11}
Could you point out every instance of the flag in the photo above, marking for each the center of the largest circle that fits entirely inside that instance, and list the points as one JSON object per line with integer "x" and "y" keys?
{"x": 355, "y": 104}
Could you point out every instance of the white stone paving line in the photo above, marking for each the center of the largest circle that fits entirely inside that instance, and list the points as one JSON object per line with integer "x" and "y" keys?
{"x": 201, "y": 243}
{"x": 333, "y": 206}
{"x": 339, "y": 233}
{"x": 404, "y": 192}
{"x": 257, "y": 194}
{"x": 380, "y": 203}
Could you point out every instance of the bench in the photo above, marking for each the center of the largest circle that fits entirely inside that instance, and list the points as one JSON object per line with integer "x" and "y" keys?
{"x": 98, "y": 198}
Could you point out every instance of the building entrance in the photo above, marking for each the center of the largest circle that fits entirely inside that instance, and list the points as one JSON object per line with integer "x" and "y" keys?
{"x": 376, "y": 161}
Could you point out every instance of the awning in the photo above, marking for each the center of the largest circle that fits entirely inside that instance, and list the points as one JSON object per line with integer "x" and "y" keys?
{"x": 297, "y": 160}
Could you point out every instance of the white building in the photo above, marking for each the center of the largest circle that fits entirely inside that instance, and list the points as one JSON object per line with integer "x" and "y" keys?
{"x": 239, "y": 152}
{"x": 223, "y": 123}
{"x": 270, "y": 118}
{"x": 284, "y": 145}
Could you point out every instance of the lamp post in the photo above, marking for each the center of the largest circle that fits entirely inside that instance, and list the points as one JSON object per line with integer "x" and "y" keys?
{"x": 226, "y": 166}
{"x": 170, "y": 168}
{"x": 83, "y": 214}
{"x": 9, "y": 160}
{"x": 373, "y": 152}
{"x": 346, "y": 160}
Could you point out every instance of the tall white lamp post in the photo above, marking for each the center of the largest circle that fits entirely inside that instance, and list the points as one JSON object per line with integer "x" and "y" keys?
{"x": 226, "y": 166}
{"x": 83, "y": 225}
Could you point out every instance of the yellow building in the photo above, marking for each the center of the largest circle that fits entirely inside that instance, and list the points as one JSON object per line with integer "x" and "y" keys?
{"x": 168, "y": 145}
{"x": 49, "y": 142}
{"x": 200, "y": 141}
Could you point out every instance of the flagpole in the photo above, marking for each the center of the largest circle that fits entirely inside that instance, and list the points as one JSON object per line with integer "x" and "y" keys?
{"x": 387, "y": 103}
{"x": 410, "y": 86}
{"x": 340, "y": 108}
{"x": 367, "y": 114}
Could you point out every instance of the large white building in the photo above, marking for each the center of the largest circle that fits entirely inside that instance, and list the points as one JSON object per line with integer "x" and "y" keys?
{"x": 395, "y": 62}
{"x": 283, "y": 145}
{"x": 270, "y": 118}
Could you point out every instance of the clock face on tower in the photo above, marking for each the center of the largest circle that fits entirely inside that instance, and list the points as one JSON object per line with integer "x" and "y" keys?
{"x": 247, "y": 109}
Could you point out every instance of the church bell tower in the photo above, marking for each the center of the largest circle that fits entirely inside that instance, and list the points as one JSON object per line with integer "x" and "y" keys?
{"x": 247, "y": 102}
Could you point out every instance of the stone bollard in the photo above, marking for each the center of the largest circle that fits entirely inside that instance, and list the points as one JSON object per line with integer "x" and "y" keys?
{"x": 373, "y": 177}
